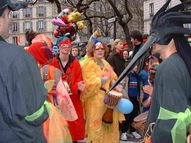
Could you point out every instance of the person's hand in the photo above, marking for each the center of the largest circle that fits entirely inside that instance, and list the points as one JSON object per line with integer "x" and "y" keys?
{"x": 81, "y": 85}
{"x": 148, "y": 89}
{"x": 119, "y": 88}
{"x": 147, "y": 102}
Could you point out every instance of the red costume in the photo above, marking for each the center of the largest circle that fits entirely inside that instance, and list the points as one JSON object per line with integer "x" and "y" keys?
{"x": 73, "y": 75}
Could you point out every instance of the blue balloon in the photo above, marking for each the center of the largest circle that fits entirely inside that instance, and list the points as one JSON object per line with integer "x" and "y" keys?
{"x": 125, "y": 106}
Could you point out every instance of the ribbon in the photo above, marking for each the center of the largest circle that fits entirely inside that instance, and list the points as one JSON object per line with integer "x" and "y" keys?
{"x": 39, "y": 112}
{"x": 179, "y": 130}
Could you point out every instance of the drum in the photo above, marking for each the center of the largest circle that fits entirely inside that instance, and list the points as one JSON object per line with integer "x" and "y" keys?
{"x": 139, "y": 122}
{"x": 112, "y": 98}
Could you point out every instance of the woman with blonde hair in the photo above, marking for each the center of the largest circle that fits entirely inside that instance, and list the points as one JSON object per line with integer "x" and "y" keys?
{"x": 115, "y": 58}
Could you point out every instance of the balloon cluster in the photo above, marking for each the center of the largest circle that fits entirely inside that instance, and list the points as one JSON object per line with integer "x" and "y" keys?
{"x": 68, "y": 23}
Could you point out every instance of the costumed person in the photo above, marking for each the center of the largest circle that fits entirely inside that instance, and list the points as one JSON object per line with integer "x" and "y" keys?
{"x": 22, "y": 91}
{"x": 40, "y": 49}
{"x": 172, "y": 92}
{"x": 170, "y": 105}
{"x": 72, "y": 74}
{"x": 98, "y": 75}
{"x": 41, "y": 46}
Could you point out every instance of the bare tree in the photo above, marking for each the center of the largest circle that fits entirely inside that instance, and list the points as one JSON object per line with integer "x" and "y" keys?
{"x": 97, "y": 13}
{"x": 83, "y": 6}
{"x": 124, "y": 14}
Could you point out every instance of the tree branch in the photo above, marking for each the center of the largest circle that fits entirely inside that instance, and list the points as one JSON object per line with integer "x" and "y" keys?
{"x": 118, "y": 14}
{"x": 183, "y": 1}
{"x": 90, "y": 2}
{"x": 71, "y": 3}
{"x": 84, "y": 7}
{"x": 58, "y": 6}
{"x": 128, "y": 12}
{"x": 96, "y": 16}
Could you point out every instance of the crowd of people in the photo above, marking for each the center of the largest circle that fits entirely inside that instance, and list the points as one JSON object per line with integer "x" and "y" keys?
{"x": 65, "y": 97}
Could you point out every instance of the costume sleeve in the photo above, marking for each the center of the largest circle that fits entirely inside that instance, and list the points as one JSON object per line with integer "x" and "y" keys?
{"x": 92, "y": 79}
{"x": 77, "y": 73}
{"x": 26, "y": 90}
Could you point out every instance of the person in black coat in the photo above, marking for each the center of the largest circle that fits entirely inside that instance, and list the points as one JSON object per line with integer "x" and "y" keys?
{"x": 22, "y": 92}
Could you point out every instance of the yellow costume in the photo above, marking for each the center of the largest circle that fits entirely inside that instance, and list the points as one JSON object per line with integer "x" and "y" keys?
{"x": 93, "y": 103}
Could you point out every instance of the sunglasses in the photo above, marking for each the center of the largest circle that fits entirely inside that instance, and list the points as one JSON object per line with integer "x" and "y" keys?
{"x": 99, "y": 46}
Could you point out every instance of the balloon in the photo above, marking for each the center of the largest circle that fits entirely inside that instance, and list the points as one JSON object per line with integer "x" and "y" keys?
{"x": 124, "y": 106}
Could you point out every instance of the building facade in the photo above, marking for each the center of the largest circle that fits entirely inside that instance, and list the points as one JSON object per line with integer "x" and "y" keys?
{"x": 37, "y": 18}
{"x": 150, "y": 8}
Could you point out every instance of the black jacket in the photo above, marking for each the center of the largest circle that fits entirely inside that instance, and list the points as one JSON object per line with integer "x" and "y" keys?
{"x": 21, "y": 93}
{"x": 117, "y": 62}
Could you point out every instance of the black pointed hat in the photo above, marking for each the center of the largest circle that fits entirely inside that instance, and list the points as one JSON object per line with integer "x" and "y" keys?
{"x": 168, "y": 22}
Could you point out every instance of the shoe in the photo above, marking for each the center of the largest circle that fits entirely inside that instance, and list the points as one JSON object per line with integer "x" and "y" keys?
{"x": 129, "y": 135}
{"x": 124, "y": 137}
{"x": 136, "y": 135}
{"x": 131, "y": 138}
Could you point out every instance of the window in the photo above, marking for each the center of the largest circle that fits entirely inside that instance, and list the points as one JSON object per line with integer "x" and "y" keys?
{"x": 187, "y": 26}
{"x": 15, "y": 14}
{"x": 15, "y": 27}
{"x": 15, "y": 40}
{"x": 151, "y": 9}
{"x": 41, "y": 25}
{"x": 27, "y": 26}
{"x": 27, "y": 12}
{"x": 41, "y": 11}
